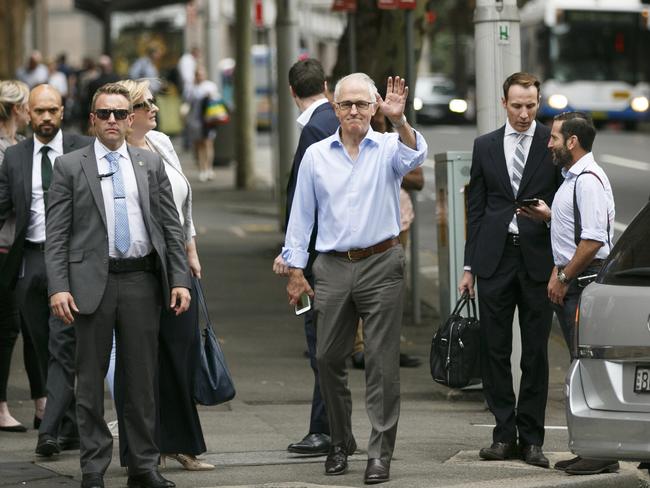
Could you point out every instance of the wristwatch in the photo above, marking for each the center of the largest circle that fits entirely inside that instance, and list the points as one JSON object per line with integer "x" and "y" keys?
{"x": 563, "y": 278}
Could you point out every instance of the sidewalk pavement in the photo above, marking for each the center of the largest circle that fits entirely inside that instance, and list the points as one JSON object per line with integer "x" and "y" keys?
{"x": 440, "y": 431}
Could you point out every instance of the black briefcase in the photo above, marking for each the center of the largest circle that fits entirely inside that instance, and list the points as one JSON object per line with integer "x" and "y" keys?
{"x": 455, "y": 348}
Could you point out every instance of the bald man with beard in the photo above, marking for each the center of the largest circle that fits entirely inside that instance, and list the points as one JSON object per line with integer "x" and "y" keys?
{"x": 24, "y": 182}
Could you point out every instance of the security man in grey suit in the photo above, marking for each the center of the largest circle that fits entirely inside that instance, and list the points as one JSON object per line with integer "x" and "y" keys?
{"x": 114, "y": 250}
{"x": 24, "y": 182}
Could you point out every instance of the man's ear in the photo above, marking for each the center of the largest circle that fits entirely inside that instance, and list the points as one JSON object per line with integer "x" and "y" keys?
{"x": 504, "y": 102}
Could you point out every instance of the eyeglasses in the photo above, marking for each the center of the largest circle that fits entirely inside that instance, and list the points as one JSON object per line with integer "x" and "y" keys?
{"x": 361, "y": 105}
{"x": 105, "y": 113}
{"x": 148, "y": 104}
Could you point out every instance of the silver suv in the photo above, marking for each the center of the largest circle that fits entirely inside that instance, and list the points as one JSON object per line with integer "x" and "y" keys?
{"x": 608, "y": 385}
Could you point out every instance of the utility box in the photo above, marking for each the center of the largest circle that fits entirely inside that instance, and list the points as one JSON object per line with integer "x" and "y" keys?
{"x": 452, "y": 178}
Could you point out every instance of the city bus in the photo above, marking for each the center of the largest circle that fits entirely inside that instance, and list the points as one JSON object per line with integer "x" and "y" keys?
{"x": 592, "y": 56}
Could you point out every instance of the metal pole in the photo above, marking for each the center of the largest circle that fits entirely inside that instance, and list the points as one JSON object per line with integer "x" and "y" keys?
{"x": 244, "y": 96}
{"x": 414, "y": 232}
{"x": 212, "y": 45}
{"x": 352, "y": 41}
{"x": 498, "y": 55}
{"x": 286, "y": 29}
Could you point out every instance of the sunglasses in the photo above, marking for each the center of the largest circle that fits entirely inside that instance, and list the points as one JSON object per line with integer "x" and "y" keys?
{"x": 105, "y": 113}
{"x": 148, "y": 104}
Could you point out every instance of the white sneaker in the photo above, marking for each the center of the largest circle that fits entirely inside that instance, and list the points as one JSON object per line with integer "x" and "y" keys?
{"x": 112, "y": 426}
{"x": 203, "y": 176}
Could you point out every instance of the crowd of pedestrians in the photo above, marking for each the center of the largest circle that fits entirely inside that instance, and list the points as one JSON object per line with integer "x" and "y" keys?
{"x": 99, "y": 261}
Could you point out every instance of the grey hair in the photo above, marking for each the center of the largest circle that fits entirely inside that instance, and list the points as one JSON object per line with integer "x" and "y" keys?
{"x": 372, "y": 89}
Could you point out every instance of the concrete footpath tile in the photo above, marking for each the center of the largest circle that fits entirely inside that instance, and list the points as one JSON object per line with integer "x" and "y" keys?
{"x": 29, "y": 474}
{"x": 259, "y": 458}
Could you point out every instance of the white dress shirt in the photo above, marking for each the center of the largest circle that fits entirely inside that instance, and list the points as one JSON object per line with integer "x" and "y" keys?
{"x": 357, "y": 201}
{"x": 509, "y": 145}
{"x": 306, "y": 115}
{"x": 36, "y": 225}
{"x": 596, "y": 204}
{"x": 140, "y": 241}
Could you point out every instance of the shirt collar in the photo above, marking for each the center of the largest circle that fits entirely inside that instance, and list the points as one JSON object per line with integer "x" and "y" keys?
{"x": 373, "y": 137}
{"x": 530, "y": 132}
{"x": 306, "y": 115}
{"x": 56, "y": 144}
{"x": 101, "y": 151}
{"x": 579, "y": 166}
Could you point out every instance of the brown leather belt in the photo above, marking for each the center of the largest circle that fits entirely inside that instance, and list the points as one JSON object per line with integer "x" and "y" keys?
{"x": 358, "y": 254}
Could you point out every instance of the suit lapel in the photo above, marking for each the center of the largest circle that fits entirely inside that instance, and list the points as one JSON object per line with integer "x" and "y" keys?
{"x": 141, "y": 178}
{"x": 28, "y": 157}
{"x": 535, "y": 158}
{"x": 89, "y": 166}
{"x": 498, "y": 159}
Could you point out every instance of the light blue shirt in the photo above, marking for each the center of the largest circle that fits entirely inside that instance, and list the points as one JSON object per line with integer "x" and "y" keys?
{"x": 596, "y": 204}
{"x": 357, "y": 201}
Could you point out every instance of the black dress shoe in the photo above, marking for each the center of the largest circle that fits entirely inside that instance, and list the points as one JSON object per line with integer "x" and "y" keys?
{"x": 593, "y": 466}
{"x": 47, "y": 445}
{"x": 150, "y": 479}
{"x": 337, "y": 461}
{"x": 407, "y": 361}
{"x": 499, "y": 451}
{"x": 534, "y": 456}
{"x": 69, "y": 443}
{"x": 13, "y": 428}
{"x": 92, "y": 480}
{"x": 314, "y": 444}
{"x": 563, "y": 465}
{"x": 377, "y": 471}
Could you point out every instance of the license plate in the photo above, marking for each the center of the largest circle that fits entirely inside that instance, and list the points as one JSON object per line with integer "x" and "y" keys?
{"x": 599, "y": 115}
{"x": 642, "y": 379}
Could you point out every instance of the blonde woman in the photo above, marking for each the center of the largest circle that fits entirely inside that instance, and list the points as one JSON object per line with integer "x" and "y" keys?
{"x": 181, "y": 436}
{"x": 14, "y": 116}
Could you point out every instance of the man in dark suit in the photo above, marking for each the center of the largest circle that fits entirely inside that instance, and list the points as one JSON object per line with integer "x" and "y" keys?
{"x": 114, "y": 249}
{"x": 511, "y": 257}
{"x": 24, "y": 180}
{"x": 317, "y": 121}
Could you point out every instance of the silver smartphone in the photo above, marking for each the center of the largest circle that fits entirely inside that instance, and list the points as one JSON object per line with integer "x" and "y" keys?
{"x": 303, "y": 305}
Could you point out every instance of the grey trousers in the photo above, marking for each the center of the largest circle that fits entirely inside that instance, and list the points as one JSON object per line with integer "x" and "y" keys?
{"x": 131, "y": 304}
{"x": 371, "y": 289}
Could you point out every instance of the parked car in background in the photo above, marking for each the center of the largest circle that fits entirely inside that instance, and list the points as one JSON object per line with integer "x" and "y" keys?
{"x": 608, "y": 385}
{"x": 436, "y": 100}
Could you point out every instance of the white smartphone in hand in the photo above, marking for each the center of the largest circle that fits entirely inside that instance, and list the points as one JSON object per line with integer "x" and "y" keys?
{"x": 303, "y": 305}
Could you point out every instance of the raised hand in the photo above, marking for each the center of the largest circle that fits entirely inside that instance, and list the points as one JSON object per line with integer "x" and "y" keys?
{"x": 395, "y": 102}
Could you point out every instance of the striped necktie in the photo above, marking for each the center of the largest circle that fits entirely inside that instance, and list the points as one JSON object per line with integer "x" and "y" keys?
{"x": 122, "y": 233}
{"x": 518, "y": 163}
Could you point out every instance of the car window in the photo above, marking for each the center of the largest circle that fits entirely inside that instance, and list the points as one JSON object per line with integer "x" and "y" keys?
{"x": 443, "y": 89}
{"x": 629, "y": 261}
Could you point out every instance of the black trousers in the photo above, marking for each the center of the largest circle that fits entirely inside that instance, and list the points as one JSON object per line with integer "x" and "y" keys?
{"x": 178, "y": 424}
{"x": 33, "y": 304}
{"x": 498, "y": 295}
{"x": 60, "y": 419}
{"x": 10, "y": 326}
{"x": 318, "y": 423}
